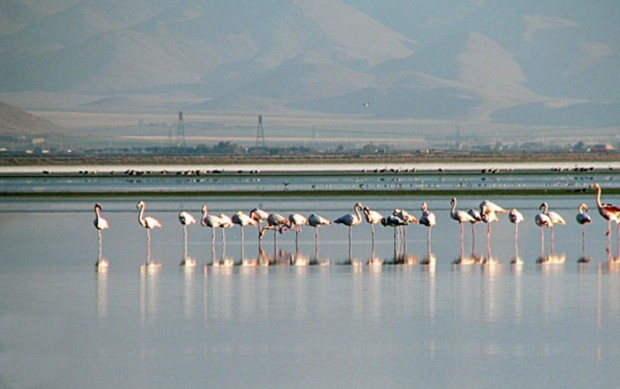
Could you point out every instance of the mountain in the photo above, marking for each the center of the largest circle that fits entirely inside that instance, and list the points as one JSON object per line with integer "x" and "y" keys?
{"x": 527, "y": 62}
{"x": 14, "y": 121}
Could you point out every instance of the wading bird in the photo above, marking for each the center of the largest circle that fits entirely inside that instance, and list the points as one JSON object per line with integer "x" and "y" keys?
{"x": 317, "y": 221}
{"x": 555, "y": 219}
{"x": 372, "y": 218}
{"x": 427, "y": 219}
{"x": 186, "y": 218}
{"x": 100, "y": 224}
{"x": 607, "y": 211}
{"x": 148, "y": 223}
{"x": 515, "y": 218}
{"x": 584, "y": 219}
{"x": 351, "y": 220}
{"x": 241, "y": 219}
{"x": 461, "y": 217}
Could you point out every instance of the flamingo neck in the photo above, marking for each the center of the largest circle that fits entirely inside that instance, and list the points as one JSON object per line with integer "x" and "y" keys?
{"x": 598, "y": 197}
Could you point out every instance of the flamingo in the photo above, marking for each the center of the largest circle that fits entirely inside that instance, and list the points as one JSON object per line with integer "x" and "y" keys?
{"x": 408, "y": 219}
{"x": 148, "y": 223}
{"x": 515, "y": 218}
{"x": 351, "y": 220}
{"x": 607, "y": 211}
{"x": 186, "y": 218}
{"x": 260, "y": 216}
{"x": 476, "y": 218}
{"x": 461, "y": 217}
{"x": 584, "y": 219}
{"x": 100, "y": 224}
{"x": 372, "y": 218}
{"x": 211, "y": 221}
{"x": 487, "y": 216}
{"x": 297, "y": 220}
{"x": 242, "y": 220}
{"x": 427, "y": 219}
{"x": 317, "y": 221}
{"x": 394, "y": 222}
{"x": 542, "y": 220}
{"x": 226, "y": 222}
{"x": 555, "y": 219}
{"x": 275, "y": 222}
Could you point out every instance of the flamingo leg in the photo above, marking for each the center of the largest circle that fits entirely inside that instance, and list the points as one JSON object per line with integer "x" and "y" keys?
{"x": 184, "y": 241}
{"x": 542, "y": 242}
{"x": 552, "y": 243}
{"x": 316, "y": 243}
{"x": 462, "y": 228}
{"x": 350, "y": 242}
{"x": 148, "y": 246}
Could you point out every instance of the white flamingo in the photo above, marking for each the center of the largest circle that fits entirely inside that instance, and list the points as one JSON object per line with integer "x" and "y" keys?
{"x": 543, "y": 221}
{"x": 461, "y": 217}
{"x": 515, "y": 218}
{"x": 316, "y": 222}
{"x": 372, "y": 218}
{"x": 395, "y": 222}
{"x": 211, "y": 221}
{"x": 296, "y": 221}
{"x": 186, "y": 219}
{"x": 351, "y": 220}
{"x": 476, "y": 218}
{"x": 555, "y": 219}
{"x": 241, "y": 219}
{"x": 408, "y": 219}
{"x": 100, "y": 224}
{"x": 427, "y": 219}
{"x": 584, "y": 219}
{"x": 275, "y": 222}
{"x": 260, "y": 216}
{"x": 226, "y": 222}
{"x": 148, "y": 223}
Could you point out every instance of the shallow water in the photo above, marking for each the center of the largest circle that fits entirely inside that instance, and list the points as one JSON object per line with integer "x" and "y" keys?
{"x": 64, "y": 325}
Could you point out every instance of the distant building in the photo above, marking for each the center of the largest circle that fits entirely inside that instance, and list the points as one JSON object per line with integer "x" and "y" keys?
{"x": 601, "y": 148}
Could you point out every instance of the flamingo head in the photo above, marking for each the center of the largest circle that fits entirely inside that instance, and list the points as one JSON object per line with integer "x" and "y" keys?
{"x": 140, "y": 204}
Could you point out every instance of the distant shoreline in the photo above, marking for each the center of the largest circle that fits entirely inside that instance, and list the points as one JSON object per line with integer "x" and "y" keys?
{"x": 317, "y": 159}
{"x": 301, "y": 163}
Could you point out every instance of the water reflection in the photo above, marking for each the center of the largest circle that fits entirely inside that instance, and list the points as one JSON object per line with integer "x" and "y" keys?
{"x": 188, "y": 293}
{"x": 102, "y": 294}
{"x": 148, "y": 294}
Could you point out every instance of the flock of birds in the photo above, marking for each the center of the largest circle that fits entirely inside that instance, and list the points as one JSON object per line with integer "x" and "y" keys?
{"x": 487, "y": 213}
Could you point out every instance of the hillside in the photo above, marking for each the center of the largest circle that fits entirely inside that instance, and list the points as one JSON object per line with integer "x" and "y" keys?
{"x": 14, "y": 121}
{"x": 450, "y": 60}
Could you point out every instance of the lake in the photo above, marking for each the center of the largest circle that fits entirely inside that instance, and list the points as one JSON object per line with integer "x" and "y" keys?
{"x": 445, "y": 319}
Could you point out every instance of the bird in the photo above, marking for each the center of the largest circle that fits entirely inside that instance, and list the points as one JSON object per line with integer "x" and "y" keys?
{"x": 211, "y": 221}
{"x": 242, "y": 219}
{"x": 607, "y": 211}
{"x": 555, "y": 219}
{"x": 148, "y": 223}
{"x": 394, "y": 222}
{"x": 515, "y": 218}
{"x": 275, "y": 222}
{"x": 372, "y": 218}
{"x": 100, "y": 224}
{"x": 543, "y": 221}
{"x": 260, "y": 216}
{"x": 316, "y": 222}
{"x": 584, "y": 219}
{"x": 186, "y": 219}
{"x": 488, "y": 215}
{"x": 427, "y": 219}
{"x": 461, "y": 217}
{"x": 225, "y": 223}
{"x": 476, "y": 218}
{"x": 296, "y": 221}
{"x": 351, "y": 220}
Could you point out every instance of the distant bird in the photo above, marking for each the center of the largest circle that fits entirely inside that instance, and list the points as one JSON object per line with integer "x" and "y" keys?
{"x": 185, "y": 218}
{"x": 317, "y": 221}
{"x": 148, "y": 223}
{"x": 427, "y": 219}
{"x": 372, "y": 218}
{"x": 607, "y": 211}
{"x": 100, "y": 224}
{"x": 515, "y": 218}
{"x": 461, "y": 217}
{"x": 351, "y": 220}
{"x": 584, "y": 219}
{"x": 241, "y": 219}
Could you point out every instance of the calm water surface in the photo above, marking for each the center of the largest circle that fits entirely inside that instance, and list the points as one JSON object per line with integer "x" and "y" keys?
{"x": 442, "y": 325}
